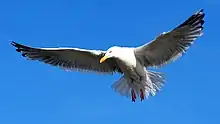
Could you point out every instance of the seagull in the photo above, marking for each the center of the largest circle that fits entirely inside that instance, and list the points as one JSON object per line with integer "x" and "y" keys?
{"x": 136, "y": 82}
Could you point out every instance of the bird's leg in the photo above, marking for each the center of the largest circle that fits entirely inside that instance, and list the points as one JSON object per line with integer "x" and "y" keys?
{"x": 133, "y": 95}
{"x": 141, "y": 94}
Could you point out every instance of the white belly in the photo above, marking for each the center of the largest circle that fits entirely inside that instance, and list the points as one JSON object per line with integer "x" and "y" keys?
{"x": 131, "y": 66}
{"x": 136, "y": 72}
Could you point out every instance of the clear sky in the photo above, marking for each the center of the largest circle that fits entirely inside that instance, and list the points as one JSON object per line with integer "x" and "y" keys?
{"x": 36, "y": 93}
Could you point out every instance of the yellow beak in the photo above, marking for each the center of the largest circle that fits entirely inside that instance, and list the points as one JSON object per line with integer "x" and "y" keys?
{"x": 103, "y": 59}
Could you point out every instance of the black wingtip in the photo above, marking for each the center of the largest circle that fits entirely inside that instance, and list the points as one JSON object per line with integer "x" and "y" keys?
{"x": 192, "y": 20}
{"x": 17, "y": 45}
{"x": 200, "y": 12}
{"x": 13, "y": 43}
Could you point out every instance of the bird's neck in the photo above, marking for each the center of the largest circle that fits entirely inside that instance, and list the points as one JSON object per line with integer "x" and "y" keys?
{"x": 126, "y": 55}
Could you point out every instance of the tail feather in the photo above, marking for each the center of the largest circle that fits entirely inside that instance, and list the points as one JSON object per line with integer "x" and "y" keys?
{"x": 151, "y": 86}
{"x": 157, "y": 80}
{"x": 122, "y": 86}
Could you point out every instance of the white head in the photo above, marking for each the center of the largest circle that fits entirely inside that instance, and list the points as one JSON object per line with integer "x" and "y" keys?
{"x": 111, "y": 52}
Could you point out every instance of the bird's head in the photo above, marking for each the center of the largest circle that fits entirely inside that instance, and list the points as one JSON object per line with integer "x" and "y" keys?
{"x": 111, "y": 52}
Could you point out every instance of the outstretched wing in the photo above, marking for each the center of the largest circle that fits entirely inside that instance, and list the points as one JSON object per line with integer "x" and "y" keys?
{"x": 69, "y": 58}
{"x": 171, "y": 45}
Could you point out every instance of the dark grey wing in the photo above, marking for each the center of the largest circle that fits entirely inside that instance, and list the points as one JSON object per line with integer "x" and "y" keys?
{"x": 171, "y": 45}
{"x": 69, "y": 58}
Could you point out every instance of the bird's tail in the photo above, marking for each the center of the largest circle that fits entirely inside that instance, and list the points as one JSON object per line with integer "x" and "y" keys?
{"x": 153, "y": 83}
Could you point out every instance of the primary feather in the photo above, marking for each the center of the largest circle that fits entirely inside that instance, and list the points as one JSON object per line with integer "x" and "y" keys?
{"x": 69, "y": 58}
{"x": 171, "y": 45}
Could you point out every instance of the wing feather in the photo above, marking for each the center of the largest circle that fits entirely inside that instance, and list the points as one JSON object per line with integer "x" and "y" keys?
{"x": 69, "y": 58}
{"x": 171, "y": 45}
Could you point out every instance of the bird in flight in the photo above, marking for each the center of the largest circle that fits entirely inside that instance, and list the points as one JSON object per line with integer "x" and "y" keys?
{"x": 131, "y": 62}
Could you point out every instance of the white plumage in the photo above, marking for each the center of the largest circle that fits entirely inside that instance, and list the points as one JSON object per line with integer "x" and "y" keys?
{"x": 129, "y": 61}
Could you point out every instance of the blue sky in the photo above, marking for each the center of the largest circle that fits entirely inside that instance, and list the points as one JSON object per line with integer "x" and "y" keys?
{"x": 36, "y": 93}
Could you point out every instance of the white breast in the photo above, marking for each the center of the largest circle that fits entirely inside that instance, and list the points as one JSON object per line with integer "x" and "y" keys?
{"x": 131, "y": 64}
{"x": 127, "y": 56}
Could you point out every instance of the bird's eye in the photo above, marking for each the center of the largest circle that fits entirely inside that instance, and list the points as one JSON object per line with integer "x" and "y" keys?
{"x": 110, "y": 51}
